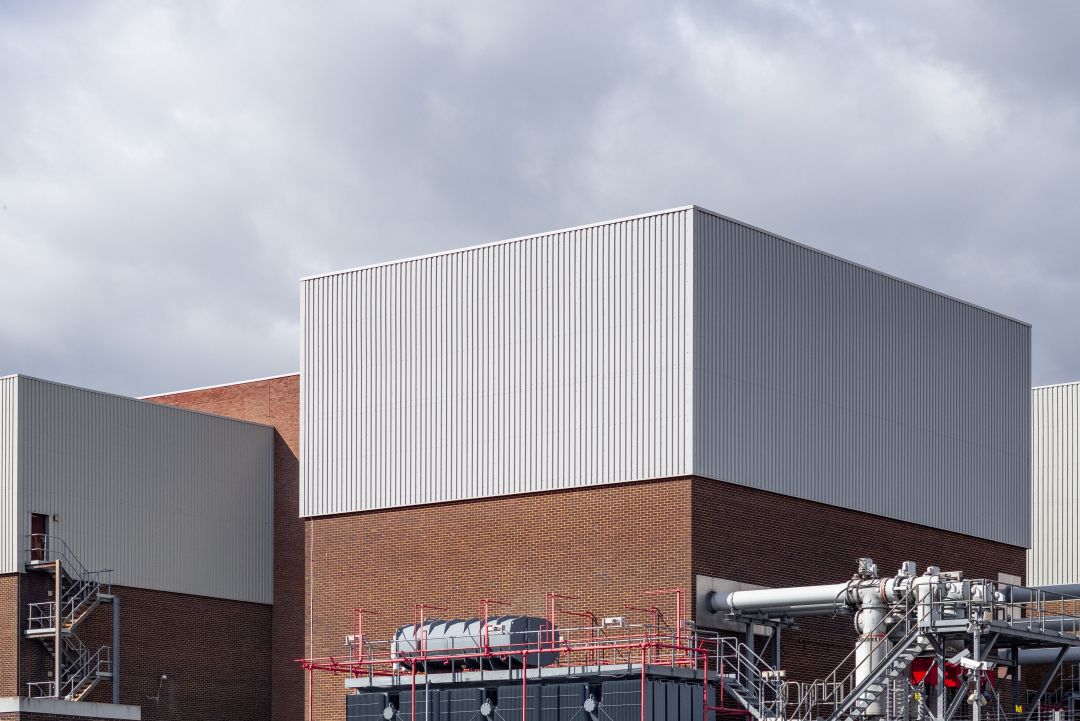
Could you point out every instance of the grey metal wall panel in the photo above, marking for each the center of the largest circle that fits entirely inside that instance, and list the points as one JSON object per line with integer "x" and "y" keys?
{"x": 9, "y": 487}
{"x": 823, "y": 380}
{"x": 554, "y": 361}
{"x": 663, "y": 345}
{"x": 1055, "y": 485}
{"x": 169, "y": 499}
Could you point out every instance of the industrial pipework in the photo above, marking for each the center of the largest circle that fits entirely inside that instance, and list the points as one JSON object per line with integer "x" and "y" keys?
{"x": 911, "y": 613}
{"x": 960, "y": 629}
{"x": 866, "y": 594}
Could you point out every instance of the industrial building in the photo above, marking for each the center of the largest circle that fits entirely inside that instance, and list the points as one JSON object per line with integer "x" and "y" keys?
{"x": 673, "y": 401}
{"x": 136, "y": 558}
{"x": 633, "y": 469}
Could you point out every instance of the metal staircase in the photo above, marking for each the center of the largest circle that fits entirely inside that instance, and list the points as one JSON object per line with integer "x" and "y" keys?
{"x": 839, "y": 695}
{"x": 896, "y": 664}
{"x": 76, "y": 593}
{"x": 749, "y": 681}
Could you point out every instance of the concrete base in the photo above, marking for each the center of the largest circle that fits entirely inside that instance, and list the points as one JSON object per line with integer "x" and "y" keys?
{"x": 49, "y": 707}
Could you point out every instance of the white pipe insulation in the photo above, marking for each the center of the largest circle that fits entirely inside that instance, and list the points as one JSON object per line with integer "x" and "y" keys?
{"x": 823, "y": 598}
{"x": 872, "y": 646}
{"x": 870, "y": 598}
{"x": 867, "y": 594}
{"x": 809, "y": 600}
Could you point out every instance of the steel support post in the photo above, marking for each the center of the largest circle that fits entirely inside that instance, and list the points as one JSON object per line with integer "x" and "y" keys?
{"x": 58, "y": 626}
{"x": 116, "y": 650}
{"x": 1050, "y": 676}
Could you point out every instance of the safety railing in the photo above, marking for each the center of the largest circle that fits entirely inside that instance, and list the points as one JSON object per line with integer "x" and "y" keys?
{"x": 765, "y": 690}
{"x": 807, "y": 700}
{"x": 84, "y": 671}
{"x": 79, "y": 597}
{"x": 84, "y": 666}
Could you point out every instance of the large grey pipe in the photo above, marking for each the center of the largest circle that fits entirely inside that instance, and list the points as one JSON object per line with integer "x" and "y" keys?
{"x": 1043, "y": 656}
{"x": 806, "y": 598}
{"x": 1061, "y": 592}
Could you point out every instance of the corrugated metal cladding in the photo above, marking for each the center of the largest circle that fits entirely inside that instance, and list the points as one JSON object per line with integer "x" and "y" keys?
{"x": 169, "y": 499}
{"x": 564, "y": 359}
{"x": 9, "y": 468}
{"x": 549, "y": 362}
{"x": 820, "y": 379}
{"x": 1055, "y": 485}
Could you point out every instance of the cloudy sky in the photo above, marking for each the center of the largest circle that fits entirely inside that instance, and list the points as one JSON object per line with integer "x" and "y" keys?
{"x": 168, "y": 172}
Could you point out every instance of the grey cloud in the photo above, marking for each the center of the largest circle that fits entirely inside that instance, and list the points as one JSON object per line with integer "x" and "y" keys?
{"x": 170, "y": 171}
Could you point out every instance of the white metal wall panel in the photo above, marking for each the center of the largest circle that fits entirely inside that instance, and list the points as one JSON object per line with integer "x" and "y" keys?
{"x": 9, "y": 467}
{"x": 554, "y": 361}
{"x": 169, "y": 499}
{"x": 564, "y": 359}
{"x": 1055, "y": 485}
{"x": 820, "y": 379}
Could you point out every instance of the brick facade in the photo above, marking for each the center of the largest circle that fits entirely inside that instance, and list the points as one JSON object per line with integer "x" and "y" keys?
{"x": 768, "y": 539}
{"x": 606, "y": 545}
{"x": 10, "y": 635}
{"x": 276, "y": 402}
{"x": 213, "y": 652}
{"x": 224, "y": 659}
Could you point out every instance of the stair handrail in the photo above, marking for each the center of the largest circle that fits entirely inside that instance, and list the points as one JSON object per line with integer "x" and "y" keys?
{"x": 39, "y": 689}
{"x": 41, "y": 615}
{"x": 832, "y": 689}
{"x": 54, "y": 547}
{"x": 85, "y": 590}
{"x": 750, "y": 671}
{"x": 859, "y": 690}
{"x": 87, "y": 664}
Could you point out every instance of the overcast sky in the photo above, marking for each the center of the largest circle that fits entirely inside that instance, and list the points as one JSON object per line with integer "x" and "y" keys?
{"x": 169, "y": 172}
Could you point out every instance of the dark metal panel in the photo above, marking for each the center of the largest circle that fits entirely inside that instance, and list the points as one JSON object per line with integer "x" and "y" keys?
{"x": 572, "y": 700}
{"x": 549, "y": 702}
{"x": 365, "y": 706}
{"x": 509, "y": 702}
{"x": 428, "y": 705}
{"x": 462, "y": 704}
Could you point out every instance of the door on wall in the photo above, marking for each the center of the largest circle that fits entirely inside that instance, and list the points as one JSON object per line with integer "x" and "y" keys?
{"x": 39, "y": 534}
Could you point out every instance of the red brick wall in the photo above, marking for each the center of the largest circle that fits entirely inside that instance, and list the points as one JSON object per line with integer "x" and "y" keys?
{"x": 9, "y": 635}
{"x": 275, "y": 402}
{"x": 768, "y": 539}
{"x": 605, "y": 545}
{"x": 21, "y": 659}
{"x": 214, "y": 652}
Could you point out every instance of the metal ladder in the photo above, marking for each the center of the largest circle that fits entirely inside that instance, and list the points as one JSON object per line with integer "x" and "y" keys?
{"x": 78, "y": 669}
